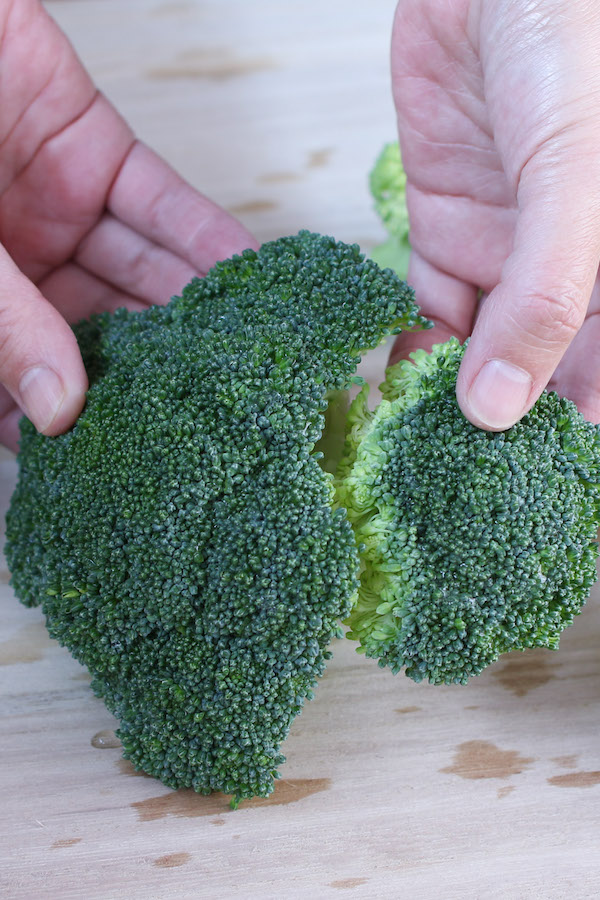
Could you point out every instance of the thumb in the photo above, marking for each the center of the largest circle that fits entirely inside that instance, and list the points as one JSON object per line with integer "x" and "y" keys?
{"x": 527, "y": 322}
{"x": 40, "y": 363}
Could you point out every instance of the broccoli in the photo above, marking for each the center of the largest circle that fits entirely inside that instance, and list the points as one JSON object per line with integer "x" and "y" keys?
{"x": 388, "y": 186}
{"x": 473, "y": 543}
{"x": 182, "y": 539}
{"x": 188, "y": 542}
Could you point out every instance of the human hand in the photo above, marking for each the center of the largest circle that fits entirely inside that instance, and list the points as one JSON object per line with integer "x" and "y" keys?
{"x": 498, "y": 106}
{"x": 90, "y": 220}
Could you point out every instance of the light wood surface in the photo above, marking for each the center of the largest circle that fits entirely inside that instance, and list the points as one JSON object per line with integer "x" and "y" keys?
{"x": 391, "y": 789}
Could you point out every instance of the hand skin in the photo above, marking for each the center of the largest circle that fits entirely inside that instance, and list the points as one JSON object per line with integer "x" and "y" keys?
{"x": 90, "y": 220}
{"x": 498, "y": 106}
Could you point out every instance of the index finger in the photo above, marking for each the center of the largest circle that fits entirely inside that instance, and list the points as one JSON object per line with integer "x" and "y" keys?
{"x": 150, "y": 197}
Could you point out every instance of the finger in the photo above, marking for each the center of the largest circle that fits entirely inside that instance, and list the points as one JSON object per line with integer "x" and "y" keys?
{"x": 77, "y": 294}
{"x": 465, "y": 236}
{"x": 133, "y": 264}
{"x": 581, "y": 383}
{"x": 450, "y": 303}
{"x": 40, "y": 364}
{"x": 152, "y": 199}
{"x": 10, "y": 417}
{"x": 61, "y": 193}
{"x": 531, "y": 317}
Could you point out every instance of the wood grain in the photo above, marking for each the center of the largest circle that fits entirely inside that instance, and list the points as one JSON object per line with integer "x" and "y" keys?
{"x": 391, "y": 789}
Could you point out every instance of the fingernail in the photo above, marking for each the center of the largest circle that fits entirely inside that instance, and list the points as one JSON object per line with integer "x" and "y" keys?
{"x": 499, "y": 394}
{"x": 42, "y": 393}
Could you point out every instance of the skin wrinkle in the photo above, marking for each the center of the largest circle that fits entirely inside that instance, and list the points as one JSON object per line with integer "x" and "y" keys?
{"x": 441, "y": 241}
{"x": 45, "y": 144}
{"x": 452, "y": 46}
{"x": 30, "y": 25}
{"x": 457, "y": 195}
{"x": 117, "y": 175}
{"x": 74, "y": 208}
{"x": 427, "y": 180}
{"x": 36, "y": 97}
{"x": 558, "y": 317}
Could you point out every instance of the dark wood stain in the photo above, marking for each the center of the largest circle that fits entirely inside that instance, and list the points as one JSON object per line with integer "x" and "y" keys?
{"x": 407, "y": 709}
{"x": 319, "y": 158}
{"x": 172, "y": 860}
{"x": 65, "y": 842}
{"x": 505, "y": 791}
{"x": 189, "y": 804}
{"x": 576, "y": 779}
{"x": 253, "y": 206}
{"x": 566, "y": 762}
{"x": 525, "y": 672}
{"x": 345, "y": 883}
{"x": 210, "y": 66}
{"x": 279, "y": 178}
{"x": 127, "y": 768}
{"x": 482, "y": 759}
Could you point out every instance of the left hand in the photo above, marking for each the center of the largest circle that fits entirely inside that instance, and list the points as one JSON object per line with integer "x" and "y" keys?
{"x": 90, "y": 218}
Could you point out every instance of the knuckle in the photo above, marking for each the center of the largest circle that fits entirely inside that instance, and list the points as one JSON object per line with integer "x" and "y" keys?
{"x": 554, "y": 317}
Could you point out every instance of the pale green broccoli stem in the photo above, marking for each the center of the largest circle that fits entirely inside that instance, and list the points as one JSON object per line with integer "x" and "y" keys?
{"x": 388, "y": 187}
{"x": 330, "y": 447}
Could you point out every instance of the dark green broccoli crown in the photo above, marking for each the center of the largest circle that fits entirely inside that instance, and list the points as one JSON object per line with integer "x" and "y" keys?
{"x": 181, "y": 537}
{"x": 474, "y": 543}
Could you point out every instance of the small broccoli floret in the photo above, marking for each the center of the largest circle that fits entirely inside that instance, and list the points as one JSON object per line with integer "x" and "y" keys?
{"x": 473, "y": 543}
{"x": 388, "y": 187}
{"x": 182, "y": 538}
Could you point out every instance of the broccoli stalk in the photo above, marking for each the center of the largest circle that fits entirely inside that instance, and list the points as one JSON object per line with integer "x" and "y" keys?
{"x": 387, "y": 182}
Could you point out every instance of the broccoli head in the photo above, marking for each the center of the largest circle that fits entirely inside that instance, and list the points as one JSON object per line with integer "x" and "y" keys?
{"x": 182, "y": 538}
{"x": 473, "y": 543}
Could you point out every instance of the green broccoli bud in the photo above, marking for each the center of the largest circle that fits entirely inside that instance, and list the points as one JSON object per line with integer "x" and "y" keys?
{"x": 182, "y": 538}
{"x": 388, "y": 186}
{"x": 473, "y": 543}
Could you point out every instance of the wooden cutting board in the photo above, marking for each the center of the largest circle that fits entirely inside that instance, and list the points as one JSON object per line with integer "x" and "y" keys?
{"x": 391, "y": 789}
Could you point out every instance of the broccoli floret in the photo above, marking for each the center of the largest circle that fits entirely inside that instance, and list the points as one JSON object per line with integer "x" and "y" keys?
{"x": 388, "y": 186}
{"x": 473, "y": 543}
{"x": 182, "y": 539}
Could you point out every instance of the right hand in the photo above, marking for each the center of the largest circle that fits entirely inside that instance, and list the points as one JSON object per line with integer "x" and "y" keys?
{"x": 498, "y": 107}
